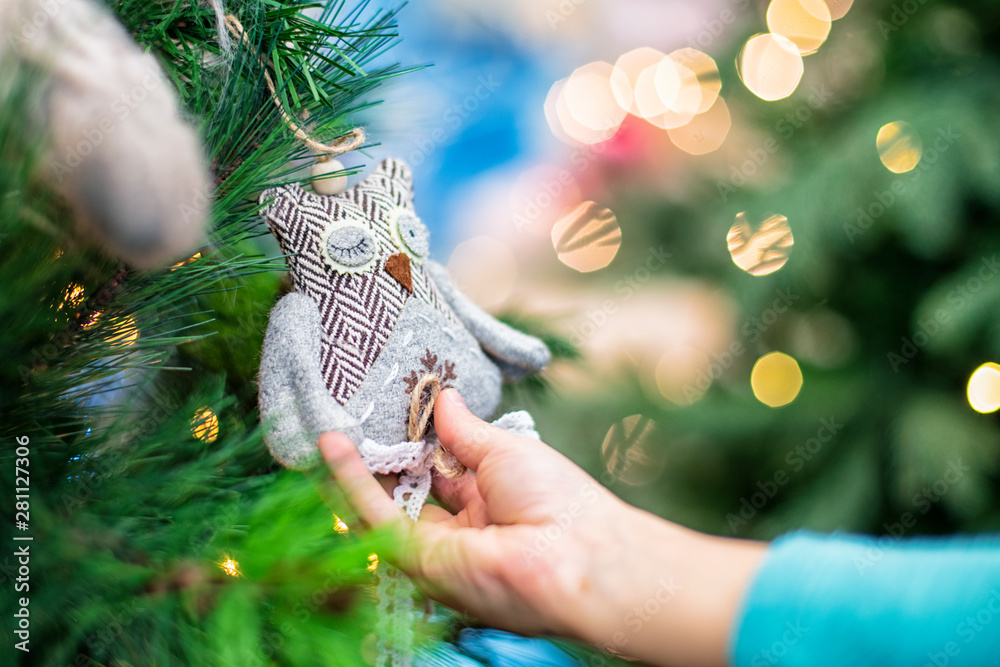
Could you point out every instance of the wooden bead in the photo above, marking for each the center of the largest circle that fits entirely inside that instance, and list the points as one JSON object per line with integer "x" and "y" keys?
{"x": 328, "y": 186}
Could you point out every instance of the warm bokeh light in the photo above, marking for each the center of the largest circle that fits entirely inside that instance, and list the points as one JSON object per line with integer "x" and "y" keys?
{"x": 770, "y": 66}
{"x": 682, "y": 106}
{"x": 899, "y": 147}
{"x": 230, "y": 567}
{"x": 564, "y": 126}
{"x": 124, "y": 333}
{"x": 706, "y": 72}
{"x": 648, "y": 96}
{"x": 762, "y": 250}
{"x": 185, "y": 262}
{"x": 92, "y": 320}
{"x": 597, "y": 96}
{"x": 805, "y": 22}
{"x": 705, "y": 132}
{"x": 339, "y": 525}
{"x": 588, "y": 238}
{"x": 72, "y": 296}
{"x": 205, "y": 425}
{"x": 776, "y": 379}
{"x": 372, "y": 562}
{"x": 632, "y": 451}
{"x": 839, "y": 8}
{"x": 984, "y": 388}
{"x": 641, "y": 98}
{"x": 485, "y": 269}
{"x": 683, "y": 374}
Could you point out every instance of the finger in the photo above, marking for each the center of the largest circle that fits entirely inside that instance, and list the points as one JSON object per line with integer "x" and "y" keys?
{"x": 363, "y": 491}
{"x": 455, "y": 493}
{"x": 435, "y": 514}
{"x": 461, "y": 432}
{"x": 388, "y": 482}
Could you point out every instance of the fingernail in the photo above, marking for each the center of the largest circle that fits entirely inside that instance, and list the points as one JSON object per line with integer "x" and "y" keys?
{"x": 455, "y": 397}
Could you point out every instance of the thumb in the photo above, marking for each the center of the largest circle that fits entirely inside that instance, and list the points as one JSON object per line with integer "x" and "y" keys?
{"x": 462, "y": 433}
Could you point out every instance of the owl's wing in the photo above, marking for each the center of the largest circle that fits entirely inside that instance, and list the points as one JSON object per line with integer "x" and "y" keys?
{"x": 516, "y": 353}
{"x": 295, "y": 405}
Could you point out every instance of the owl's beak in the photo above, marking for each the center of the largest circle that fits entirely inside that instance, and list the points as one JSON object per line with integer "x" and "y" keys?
{"x": 398, "y": 266}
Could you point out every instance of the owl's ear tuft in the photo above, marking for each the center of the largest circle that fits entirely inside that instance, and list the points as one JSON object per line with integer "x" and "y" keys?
{"x": 396, "y": 172}
{"x": 278, "y": 204}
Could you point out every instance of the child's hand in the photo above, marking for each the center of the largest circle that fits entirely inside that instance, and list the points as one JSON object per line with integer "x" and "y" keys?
{"x": 531, "y": 543}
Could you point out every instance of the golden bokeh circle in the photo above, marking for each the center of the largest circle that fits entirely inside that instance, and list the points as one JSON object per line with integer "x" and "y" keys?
{"x": 984, "y": 388}
{"x": 770, "y": 66}
{"x": 839, "y": 8}
{"x": 776, "y": 379}
{"x": 706, "y": 73}
{"x": 899, "y": 146}
{"x": 763, "y": 249}
{"x": 632, "y": 65}
{"x": 632, "y": 451}
{"x": 592, "y": 95}
{"x": 587, "y": 238}
{"x": 805, "y": 22}
{"x": 705, "y": 132}
{"x": 205, "y": 425}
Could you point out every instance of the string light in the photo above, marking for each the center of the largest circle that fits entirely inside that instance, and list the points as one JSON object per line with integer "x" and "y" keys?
{"x": 984, "y": 388}
{"x": 230, "y": 567}
{"x": 899, "y": 147}
{"x": 72, "y": 296}
{"x": 805, "y": 22}
{"x": 205, "y": 425}
{"x": 588, "y": 238}
{"x": 705, "y": 133}
{"x": 776, "y": 379}
{"x": 372, "y": 562}
{"x": 631, "y": 451}
{"x": 770, "y": 66}
{"x": 339, "y": 525}
{"x": 185, "y": 262}
{"x": 763, "y": 250}
{"x": 125, "y": 332}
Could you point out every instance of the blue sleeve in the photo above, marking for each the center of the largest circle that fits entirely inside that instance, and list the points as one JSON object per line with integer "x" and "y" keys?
{"x": 860, "y": 601}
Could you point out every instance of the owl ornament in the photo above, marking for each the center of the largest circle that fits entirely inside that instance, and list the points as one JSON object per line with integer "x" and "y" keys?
{"x": 372, "y": 332}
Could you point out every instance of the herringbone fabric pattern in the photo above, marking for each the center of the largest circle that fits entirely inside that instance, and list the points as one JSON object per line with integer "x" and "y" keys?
{"x": 358, "y": 310}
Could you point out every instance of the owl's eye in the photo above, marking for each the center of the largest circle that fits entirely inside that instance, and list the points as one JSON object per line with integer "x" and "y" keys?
{"x": 410, "y": 234}
{"x": 348, "y": 247}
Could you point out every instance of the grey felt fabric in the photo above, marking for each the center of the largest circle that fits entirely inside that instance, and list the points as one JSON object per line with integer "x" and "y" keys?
{"x": 517, "y": 353}
{"x": 382, "y": 402}
{"x": 295, "y": 405}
